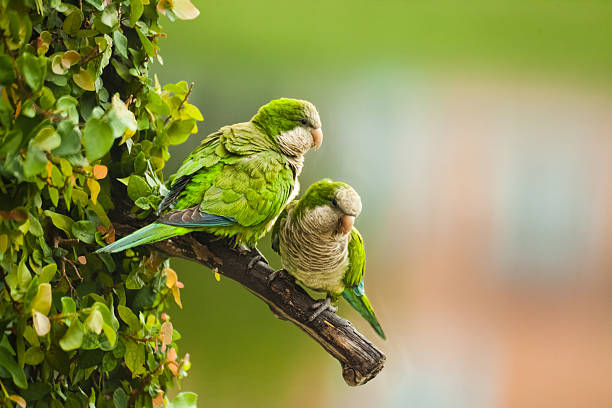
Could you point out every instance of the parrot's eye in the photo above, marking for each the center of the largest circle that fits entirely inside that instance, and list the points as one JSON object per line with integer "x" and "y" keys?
{"x": 334, "y": 203}
{"x": 303, "y": 121}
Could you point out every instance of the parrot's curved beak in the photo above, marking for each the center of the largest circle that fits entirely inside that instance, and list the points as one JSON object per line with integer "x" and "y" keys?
{"x": 346, "y": 224}
{"x": 317, "y": 138}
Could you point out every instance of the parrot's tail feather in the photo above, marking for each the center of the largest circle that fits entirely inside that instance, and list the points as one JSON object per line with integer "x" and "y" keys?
{"x": 363, "y": 306}
{"x": 151, "y": 233}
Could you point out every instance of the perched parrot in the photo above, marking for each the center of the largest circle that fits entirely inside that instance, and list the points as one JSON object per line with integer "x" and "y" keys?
{"x": 320, "y": 247}
{"x": 239, "y": 179}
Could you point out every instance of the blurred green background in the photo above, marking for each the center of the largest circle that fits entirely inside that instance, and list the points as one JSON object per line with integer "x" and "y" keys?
{"x": 478, "y": 135}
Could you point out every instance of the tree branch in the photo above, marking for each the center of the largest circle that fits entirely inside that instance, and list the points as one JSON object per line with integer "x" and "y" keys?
{"x": 360, "y": 359}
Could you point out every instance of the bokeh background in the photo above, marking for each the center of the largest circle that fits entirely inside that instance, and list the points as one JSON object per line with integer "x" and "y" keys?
{"x": 478, "y": 134}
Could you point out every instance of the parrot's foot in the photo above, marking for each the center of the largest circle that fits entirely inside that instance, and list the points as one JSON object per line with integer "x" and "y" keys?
{"x": 275, "y": 274}
{"x": 243, "y": 249}
{"x": 257, "y": 258}
{"x": 322, "y": 306}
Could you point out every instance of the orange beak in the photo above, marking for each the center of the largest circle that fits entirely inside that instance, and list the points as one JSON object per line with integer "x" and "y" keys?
{"x": 317, "y": 138}
{"x": 346, "y": 224}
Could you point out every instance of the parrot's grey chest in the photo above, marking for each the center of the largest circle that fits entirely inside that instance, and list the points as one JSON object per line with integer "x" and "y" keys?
{"x": 318, "y": 261}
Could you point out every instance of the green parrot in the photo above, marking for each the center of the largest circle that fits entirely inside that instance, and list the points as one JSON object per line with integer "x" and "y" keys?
{"x": 238, "y": 180}
{"x": 320, "y": 247}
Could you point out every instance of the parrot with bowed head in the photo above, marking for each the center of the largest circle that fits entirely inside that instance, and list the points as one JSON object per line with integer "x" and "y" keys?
{"x": 320, "y": 247}
{"x": 239, "y": 179}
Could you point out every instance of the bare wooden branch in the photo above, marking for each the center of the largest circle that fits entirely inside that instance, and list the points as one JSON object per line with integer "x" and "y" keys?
{"x": 360, "y": 359}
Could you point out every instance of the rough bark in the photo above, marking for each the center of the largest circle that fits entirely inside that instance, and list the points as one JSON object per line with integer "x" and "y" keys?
{"x": 360, "y": 359}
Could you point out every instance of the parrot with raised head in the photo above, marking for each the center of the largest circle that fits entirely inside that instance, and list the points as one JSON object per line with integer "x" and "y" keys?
{"x": 238, "y": 180}
{"x": 320, "y": 247}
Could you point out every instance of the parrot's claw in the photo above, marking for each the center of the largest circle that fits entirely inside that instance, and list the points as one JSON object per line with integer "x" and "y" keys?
{"x": 257, "y": 258}
{"x": 322, "y": 306}
{"x": 275, "y": 274}
{"x": 243, "y": 249}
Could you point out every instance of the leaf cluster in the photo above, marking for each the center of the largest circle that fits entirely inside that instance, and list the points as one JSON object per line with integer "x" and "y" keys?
{"x": 79, "y": 113}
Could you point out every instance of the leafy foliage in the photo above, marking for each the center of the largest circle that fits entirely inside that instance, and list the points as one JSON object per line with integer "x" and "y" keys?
{"x": 77, "y": 112}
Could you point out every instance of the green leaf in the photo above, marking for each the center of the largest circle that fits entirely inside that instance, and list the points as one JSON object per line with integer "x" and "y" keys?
{"x": 73, "y": 338}
{"x": 140, "y": 163}
{"x": 68, "y": 305}
{"x": 35, "y": 227}
{"x": 42, "y": 300}
{"x": 143, "y": 203}
{"x": 84, "y": 80}
{"x": 184, "y": 400}
{"x": 60, "y": 221}
{"x": 23, "y": 273}
{"x": 120, "y": 398}
{"x": 96, "y": 3}
{"x": 126, "y": 314}
{"x": 46, "y": 139}
{"x": 98, "y": 138}
{"x": 53, "y": 195}
{"x": 121, "y": 119}
{"x": 137, "y": 187}
{"x": 56, "y": 64}
{"x": 180, "y": 88}
{"x": 180, "y": 130}
{"x": 107, "y": 21}
{"x": 192, "y": 111}
{"x": 7, "y": 71}
{"x": 57, "y": 179}
{"x": 146, "y": 43}
{"x": 136, "y": 9}
{"x": 11, "y": 142}
{"x": 34, "y": 356}
{"x": 47, "y": 273}
{"x": 30, "y": 335}
{"x": 84, "y": 230}
{"x": 110, "y": 324}
{"x": 73, "y": 22}
{"x": 46, "y": 100}
{"x": 71, "y": 139}
{"x": 67, "y": 105}
{"x": 109, "y": 362}
{"x": 10, "y": 365}
{"x": 134, "y": 357}
{"x": 121, "y": 43}
{"x": 32, "y": 70}
{"x": 95, "y": 321}
{"x": 35, "y": 161}
{"x": 157, "y": 105}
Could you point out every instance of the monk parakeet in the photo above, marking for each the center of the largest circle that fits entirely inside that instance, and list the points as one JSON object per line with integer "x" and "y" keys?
{"x": 236, "y": 183}
{"x": 320, "y": 247}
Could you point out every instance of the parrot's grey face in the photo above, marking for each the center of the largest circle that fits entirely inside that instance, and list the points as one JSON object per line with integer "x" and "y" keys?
{"x": 338, "y": 216}
{"x": 306, "y": 134}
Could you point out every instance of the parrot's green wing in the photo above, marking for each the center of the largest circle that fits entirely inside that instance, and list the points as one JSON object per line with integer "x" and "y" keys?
{"x": 228, "y": 188}
{"x": 229, "y": 142}
{"x": 252, "y": 190}
{"x": 353, "y": 279}
{"x": 278, "y": 225}
{"x": 357, "y": 260}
